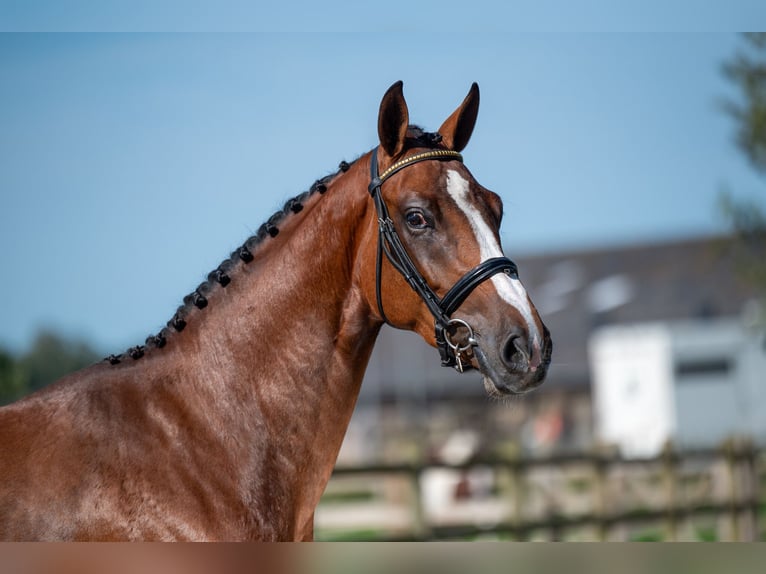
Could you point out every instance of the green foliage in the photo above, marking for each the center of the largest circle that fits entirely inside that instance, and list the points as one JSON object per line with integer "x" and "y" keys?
{"x": 706, "y": 534}
{"x": 648, "y": 535}
{"x": 350, "y": 536}
{"x": 12, "y": 383}
{"x": 747, "y": 70}
{"x": 51, "y": 357}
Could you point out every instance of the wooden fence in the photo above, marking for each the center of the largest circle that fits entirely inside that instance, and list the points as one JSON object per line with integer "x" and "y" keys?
{"x": 716, "y": 494}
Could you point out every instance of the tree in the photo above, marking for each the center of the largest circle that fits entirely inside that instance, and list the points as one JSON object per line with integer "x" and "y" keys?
{"x": 12, "y": 383}
{"x": 51, "y": 357}
{"x": 747, "y": 71}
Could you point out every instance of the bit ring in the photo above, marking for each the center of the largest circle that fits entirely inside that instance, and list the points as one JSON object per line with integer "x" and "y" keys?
{"x": 458, "y": 349}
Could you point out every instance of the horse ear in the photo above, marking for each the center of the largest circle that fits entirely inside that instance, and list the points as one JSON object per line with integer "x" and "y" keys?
{"x": 393, "y": 120}
{"x": 457, "y": 129}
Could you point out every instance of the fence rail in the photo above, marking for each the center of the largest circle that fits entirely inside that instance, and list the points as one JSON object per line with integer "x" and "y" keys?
{"x": 711, "y": 494}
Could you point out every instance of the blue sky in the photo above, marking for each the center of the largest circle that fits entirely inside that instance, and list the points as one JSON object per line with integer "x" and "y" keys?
{"x": 435, "y": 18}
{"x": 132, "y": 164}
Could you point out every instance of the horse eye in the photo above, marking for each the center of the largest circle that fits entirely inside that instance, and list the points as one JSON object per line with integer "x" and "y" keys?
{"x": 416, "y": 220}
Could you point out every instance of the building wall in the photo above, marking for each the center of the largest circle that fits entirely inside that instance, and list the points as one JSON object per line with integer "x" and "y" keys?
{"x": 708, "y": 381}
{"x": 632, "y": 375}
{"x": 693, "y": 382}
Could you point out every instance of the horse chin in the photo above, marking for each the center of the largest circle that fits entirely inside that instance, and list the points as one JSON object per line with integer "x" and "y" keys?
{"x": 502, "y": 383}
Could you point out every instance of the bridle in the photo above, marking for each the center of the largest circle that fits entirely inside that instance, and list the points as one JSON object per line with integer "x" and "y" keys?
{"x": 390, "y": 244}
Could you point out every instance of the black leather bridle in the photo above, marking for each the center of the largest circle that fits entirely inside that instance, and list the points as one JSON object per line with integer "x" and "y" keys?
{"x": 390, "y": 244}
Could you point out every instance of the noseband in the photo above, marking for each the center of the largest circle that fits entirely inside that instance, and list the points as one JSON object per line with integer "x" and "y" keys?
{"x": 390, "y": 244}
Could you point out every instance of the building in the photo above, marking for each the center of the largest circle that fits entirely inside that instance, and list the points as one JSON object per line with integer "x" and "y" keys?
{"x": 691, "y": 382}
{"x": 676, "y": 312}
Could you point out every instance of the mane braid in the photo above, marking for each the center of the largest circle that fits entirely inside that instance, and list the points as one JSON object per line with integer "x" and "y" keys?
{"x": 221, "y": 275}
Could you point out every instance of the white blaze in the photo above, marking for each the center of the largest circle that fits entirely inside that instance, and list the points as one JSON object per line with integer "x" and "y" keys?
{"x": 510, "y": 290}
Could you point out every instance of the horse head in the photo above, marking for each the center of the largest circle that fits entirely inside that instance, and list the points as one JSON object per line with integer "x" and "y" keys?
{"x": 440, "y": 269}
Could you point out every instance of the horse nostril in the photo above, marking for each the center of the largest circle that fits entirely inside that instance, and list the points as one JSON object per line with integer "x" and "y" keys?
{"x": 515, "y": 351}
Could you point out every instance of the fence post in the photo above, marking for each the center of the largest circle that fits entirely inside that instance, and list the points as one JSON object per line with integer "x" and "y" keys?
{"x": 754, "y": 499}
{"x": 669, "y": 480}
{"x": 420, "y": 529}
{"x": 728, "y": 448}
{"x": 750, "y": 479}
{"x": 743, "y": 488}
{"x": 517, "y": 486}
{"x": 600, "y": 467}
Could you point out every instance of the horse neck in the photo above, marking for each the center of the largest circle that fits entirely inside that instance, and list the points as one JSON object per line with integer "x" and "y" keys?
{"x": 282, "y": 350}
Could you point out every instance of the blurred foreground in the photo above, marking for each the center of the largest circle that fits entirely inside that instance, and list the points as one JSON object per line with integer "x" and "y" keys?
{"x": 653, "y": 345}
{"x": 701, "y": 495}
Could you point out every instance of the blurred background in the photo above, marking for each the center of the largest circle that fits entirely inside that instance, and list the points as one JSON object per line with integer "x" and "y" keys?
{"x": 632, "y": 170}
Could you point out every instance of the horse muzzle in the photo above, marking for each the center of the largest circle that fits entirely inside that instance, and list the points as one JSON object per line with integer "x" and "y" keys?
{"x": 514, "y": 365}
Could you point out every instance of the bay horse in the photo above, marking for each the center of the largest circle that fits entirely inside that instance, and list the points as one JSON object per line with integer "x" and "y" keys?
{"x": 227, "y": 423}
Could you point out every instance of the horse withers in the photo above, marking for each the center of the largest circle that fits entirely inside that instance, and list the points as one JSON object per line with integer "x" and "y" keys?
{"x": 226, "y": 424}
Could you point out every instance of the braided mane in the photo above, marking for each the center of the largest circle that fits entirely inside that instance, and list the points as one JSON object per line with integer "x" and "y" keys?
{"x": 221, "y": 275}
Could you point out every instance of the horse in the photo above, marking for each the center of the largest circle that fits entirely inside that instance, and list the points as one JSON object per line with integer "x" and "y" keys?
{"x": 226, "y": 424}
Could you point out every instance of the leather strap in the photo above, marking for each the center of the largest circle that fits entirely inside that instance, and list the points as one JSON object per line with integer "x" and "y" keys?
{"x": 463, "y": 288}
{"x": 390, "y": 243}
